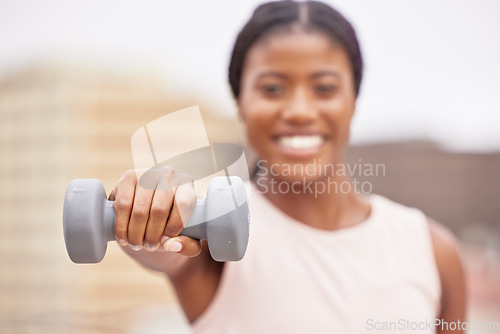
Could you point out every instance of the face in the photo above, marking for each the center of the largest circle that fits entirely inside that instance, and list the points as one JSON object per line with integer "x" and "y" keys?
{"x": 297, "y": 99}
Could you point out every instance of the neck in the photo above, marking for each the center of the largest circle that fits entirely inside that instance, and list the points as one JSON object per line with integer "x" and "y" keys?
{"x": 329, "y": 203}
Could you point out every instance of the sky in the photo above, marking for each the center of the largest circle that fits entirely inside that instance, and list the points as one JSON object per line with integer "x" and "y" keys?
{"x": 432, "y": 68}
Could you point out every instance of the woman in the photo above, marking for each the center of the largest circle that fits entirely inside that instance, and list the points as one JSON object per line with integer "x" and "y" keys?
{"x": 333, "y": 261}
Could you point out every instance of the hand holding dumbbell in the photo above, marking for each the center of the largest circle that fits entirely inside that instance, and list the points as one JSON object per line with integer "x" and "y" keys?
{"x": 222, "y": 218}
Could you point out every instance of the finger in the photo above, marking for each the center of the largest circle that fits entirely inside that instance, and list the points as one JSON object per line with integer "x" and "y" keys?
{"x": 139, "y": 216}
{"x": 160, "y": 209}
{"x": 184, "y": 203}
{"x": 183, "y": 245}
{"x": 123, "y": 196}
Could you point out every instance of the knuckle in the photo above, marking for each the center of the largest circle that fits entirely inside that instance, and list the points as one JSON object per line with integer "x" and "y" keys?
{"x": 164, "y": 186}
{"x": 129, "y": 175}
{"x": 185, "y": 178}
{"x": 149, "y": 179}
{"x": 180, "y": 179}
{"x": 170, "y": 171}
{"x": 159, "y": 210}
{"x": 123, "y": 204}
{"x": 120, "y": 231}
{"x": 141, "y": 211}
{"x": 185, "y": 199}
{"x": 182, "y": 202}
{"x": 173, "y": 228}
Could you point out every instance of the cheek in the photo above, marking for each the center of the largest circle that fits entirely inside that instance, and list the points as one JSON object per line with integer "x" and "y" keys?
{"x": 257, "y": 124}
{"x": 257, "y": 113}
{"x": 339, "y": 112}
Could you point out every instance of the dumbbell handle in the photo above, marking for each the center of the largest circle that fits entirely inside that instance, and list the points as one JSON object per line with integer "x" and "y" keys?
{"x": 194, "y": 227}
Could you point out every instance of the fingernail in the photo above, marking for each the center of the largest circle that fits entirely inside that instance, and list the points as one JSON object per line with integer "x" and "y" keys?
{"x": 136, "y": 248}
{"x": 163, "y": 239}
{"x": 122, "y": 242}
{"x": 151, "y": 248}
{"x": 175, "y": 246}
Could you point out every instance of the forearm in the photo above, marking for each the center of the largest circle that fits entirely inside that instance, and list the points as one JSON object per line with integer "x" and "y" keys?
{"x": 172, "y": 264}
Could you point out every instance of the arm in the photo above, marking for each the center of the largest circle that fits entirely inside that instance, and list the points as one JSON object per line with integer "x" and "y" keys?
{"x": 195, "y": 279}
{"x": 451, "y": 273}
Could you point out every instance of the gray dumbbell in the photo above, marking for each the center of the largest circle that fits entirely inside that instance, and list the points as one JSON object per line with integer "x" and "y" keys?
{"x": 222, "y": 218}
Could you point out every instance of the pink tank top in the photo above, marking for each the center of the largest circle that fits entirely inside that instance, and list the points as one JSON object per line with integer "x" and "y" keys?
{"x": 378, "y": 276}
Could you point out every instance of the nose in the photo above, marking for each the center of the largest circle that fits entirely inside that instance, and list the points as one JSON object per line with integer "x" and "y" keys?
{"x": 300, "y": 109}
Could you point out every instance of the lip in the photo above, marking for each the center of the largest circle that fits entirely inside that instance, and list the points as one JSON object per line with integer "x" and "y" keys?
{"x": 299, "y": 132}
{"x": 293, "y": 152}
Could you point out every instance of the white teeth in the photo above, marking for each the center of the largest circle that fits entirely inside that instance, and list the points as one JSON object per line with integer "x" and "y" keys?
{"x": 301, "y": 142}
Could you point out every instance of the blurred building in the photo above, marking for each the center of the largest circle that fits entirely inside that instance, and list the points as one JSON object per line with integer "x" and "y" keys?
{"x": 458, "y": 189}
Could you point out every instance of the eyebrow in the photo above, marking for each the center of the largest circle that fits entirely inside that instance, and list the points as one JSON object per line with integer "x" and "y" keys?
{"x": 272, "y": 74}
{"x": 323, "y": 73}
{"x": 312, "y": 76}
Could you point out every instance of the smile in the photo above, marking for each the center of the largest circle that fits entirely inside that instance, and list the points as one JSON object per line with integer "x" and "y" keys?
{"x": 301, "y": 142}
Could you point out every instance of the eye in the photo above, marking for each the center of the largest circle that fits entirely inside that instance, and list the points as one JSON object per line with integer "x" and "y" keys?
{"x": 272, "y": 90}
{"x": 325, "y": 89}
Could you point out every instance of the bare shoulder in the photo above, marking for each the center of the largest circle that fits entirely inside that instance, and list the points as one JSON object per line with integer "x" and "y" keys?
{"x": 446, "y": 246}
{"x": 451, "y": 271}
{"x": 446, "y": 250}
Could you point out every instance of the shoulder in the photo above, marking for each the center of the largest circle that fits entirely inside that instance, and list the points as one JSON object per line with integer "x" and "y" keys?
{"x": 450, "y": 268}
{"x": 446, "y": 249}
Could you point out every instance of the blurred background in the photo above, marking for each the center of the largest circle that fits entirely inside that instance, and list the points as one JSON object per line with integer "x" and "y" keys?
{"x": 77, "y": 79}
